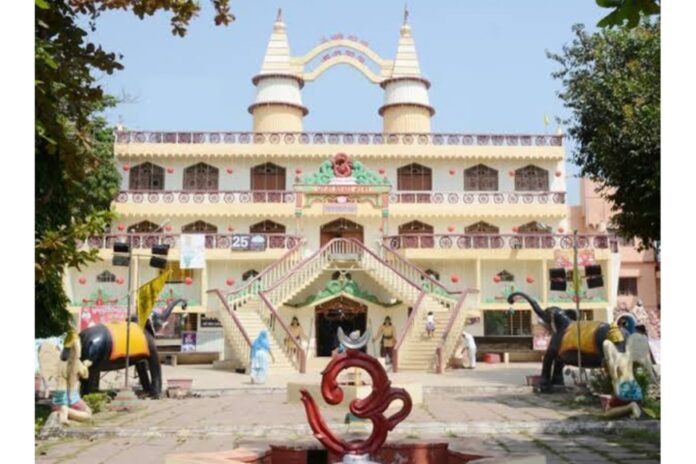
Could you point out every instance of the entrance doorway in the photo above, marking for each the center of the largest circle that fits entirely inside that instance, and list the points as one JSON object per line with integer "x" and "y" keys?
{"x": 341, "y": 228}
{"x": 339, "y": 312}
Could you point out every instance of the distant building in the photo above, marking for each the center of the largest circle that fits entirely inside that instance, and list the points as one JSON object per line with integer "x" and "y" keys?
{"x": 341, "y": 229}
{"x": 639, "y": 276}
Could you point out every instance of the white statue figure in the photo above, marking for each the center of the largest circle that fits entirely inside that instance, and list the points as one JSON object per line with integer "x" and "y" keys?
{"x": 61, "y": 372}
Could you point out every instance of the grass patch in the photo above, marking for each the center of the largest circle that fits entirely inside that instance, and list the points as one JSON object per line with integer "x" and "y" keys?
{"x": 414, "y": 436}
{"x": 451, "y": 434}
{"x": 641, "y": 436}
{"x": 97, "y": 401}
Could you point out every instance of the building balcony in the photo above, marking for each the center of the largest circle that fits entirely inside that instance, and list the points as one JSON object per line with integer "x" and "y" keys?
{"x": 335, "y": 138}
{"x": 480, "y": 198}
{"x": 205, "y": 197}
{"x": 323, "y": 144}
{"x": 217, "y": 245}
{"x": 454, "y": 246}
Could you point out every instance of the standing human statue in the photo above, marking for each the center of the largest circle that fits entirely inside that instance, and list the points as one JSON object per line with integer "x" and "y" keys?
{"x": 260, "y": 351}
{"x": 388, "y": 342}
{"x": 469, "y": 345}
{"x": 296, "y": 333}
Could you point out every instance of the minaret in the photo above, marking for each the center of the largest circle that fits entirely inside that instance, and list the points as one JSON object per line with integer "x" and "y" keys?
{"x": 406, "y": 104}
{"x": 278, "y": 105}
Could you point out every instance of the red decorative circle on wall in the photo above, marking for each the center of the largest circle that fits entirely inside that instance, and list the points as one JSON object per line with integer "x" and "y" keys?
{"x": 561, "y": 230}
{"x": 82, "y": 280}
{"x": 170, "y": 170}
{"x": 298, "y": 171}
{"x": 454, "y": 279}
{"x": 515, "y": 229}
{"x": 530, "y": 279}
{"x": 126, "y": 167}
{"x": 450, "y": 228}
{"x": 230, "y": 228}
{"x": 497, "y": 279}
{"x": 188, "y": 281}
{"x": 381, "y": 170}
{"x": 229, "y": 281}
{"x": 168, "y": 228}
{"x": 230, "y": 171}
{"x": 121, "y": 227}
{"x": 452, "y": 172}
{"x": 559, "y": 173}
{"x": 512, "y": 173}
{"x": 85, "y": 300}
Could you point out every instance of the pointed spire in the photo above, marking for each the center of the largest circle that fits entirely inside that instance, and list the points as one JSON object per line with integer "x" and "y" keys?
{"x": 277, "y": 59}
{"x": 406, "y": 61}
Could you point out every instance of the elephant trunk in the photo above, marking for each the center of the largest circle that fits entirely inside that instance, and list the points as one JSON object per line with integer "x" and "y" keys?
{"x": 543, "y": 315}
{"x": 168, "y": 311}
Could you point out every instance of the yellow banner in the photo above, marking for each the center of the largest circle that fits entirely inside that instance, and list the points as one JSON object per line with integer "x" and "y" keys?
{"x": 148, "y": 294}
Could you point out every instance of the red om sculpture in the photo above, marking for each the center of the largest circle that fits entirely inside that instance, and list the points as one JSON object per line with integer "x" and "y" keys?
{"x": 371, "y": 407}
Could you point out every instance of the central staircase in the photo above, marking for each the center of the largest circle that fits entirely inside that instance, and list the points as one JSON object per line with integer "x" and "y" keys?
{"x": 244, "y": 312}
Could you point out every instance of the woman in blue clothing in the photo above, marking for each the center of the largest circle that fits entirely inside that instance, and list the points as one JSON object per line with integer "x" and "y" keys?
{"x": 260, "y": 350}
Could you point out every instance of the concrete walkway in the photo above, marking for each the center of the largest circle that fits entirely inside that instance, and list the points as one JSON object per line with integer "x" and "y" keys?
{"x": 487, "y": 409}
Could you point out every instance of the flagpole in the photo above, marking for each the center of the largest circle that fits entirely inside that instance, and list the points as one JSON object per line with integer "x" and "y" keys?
{"x": 576, "y": 288}
{"x": 128, "y": 310}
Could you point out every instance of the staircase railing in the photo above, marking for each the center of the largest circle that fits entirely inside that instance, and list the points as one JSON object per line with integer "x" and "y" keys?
{"x": 450, "y": 335}
{"x": 298, "y": 355}
{"x": 406, "y": 331}
{"x": 414, "y": 273}
{"x": 268, "y": 276}
{"x": 235, "y": 331}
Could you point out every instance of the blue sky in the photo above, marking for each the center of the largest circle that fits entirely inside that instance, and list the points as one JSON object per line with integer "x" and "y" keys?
{"x": 485, "y": 58}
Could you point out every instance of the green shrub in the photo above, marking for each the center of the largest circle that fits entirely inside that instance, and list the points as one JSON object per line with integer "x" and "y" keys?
{"x": 600, "y": 382}
{"x": 41, "y": 413}
{"x": 96, "y": 401}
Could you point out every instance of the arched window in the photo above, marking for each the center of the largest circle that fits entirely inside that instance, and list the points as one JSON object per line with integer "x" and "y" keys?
{"x": 481, "y": 178}
{"x": 146, "y": 176}
{"x": 531, "y": 178}
{"x": 201, "y": 176}
{"x": 143, "y": 227}
{"x": 415, "y": 227}
{"x": 534, "y": 227}
{"x": 412, "y": 230}
{"x": 268, "y": 176}
{"x": 415, "y": 177}
{"x": 481, "y": 227}
{"x": 250, "y": 274}
{"x": 199, "y": 227}
{"x": 106, "y": 276}
{"x": 267, "y": 227}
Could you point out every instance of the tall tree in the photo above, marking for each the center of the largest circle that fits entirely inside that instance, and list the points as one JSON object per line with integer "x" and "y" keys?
{"x": 74, "y": 169}
{"x": 611, "y": 84}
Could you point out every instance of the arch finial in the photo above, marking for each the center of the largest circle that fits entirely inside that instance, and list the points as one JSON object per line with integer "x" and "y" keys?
{"x": 406, "y": 14}
{"x": 279, "y": 16}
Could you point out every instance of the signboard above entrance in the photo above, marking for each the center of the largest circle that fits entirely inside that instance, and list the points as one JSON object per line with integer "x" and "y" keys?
{"x": 340, "y": 208}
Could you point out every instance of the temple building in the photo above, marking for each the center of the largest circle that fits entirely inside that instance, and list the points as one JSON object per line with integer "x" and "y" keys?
{"x": 342, "y": 229}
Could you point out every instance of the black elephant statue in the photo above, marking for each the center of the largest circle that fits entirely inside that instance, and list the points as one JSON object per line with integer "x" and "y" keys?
{"x": 564, "y": 345}
{"x": 105, "y": 346}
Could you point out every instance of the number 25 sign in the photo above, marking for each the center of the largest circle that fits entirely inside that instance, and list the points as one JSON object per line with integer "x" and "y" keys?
{"x": 245, "y": 242}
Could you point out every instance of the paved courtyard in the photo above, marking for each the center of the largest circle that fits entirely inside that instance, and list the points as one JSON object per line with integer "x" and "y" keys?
{"x": 486, "y": 410}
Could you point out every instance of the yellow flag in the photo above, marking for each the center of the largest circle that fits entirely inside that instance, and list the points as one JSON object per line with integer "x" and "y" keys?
{"x": 547, "y": 120}
{"x": 148, "y": 294}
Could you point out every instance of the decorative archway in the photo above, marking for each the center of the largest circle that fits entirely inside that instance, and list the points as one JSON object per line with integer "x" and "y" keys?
{"x": 341, "y": 228}
{"x": 481, "y": 178}
{"x": 201, "y": 177}
{"x": 146, "y": 176}
{"x": 531, "y": 179}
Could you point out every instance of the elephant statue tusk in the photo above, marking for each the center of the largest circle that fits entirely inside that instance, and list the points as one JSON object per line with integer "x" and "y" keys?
{"x": 354, "y": 344}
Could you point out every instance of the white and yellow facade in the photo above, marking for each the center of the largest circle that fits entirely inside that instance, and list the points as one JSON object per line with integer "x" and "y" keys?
{"x": 485, "y": 212}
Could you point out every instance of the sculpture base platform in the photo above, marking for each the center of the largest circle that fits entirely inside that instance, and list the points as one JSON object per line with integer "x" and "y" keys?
{"x": 350, "y": 392}
{"x": 416, "y": 453}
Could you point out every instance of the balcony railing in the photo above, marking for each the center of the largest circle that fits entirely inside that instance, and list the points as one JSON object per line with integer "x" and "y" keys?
{"x": 332, "y": 138}
{"x": 212, "y": 241}
{"x": 197, "y": 197}
{"x": 477, "y": 197}
{"x": 499, "y": 241}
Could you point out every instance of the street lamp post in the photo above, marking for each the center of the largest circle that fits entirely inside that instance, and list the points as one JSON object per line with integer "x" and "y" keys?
{"x": 576, "y": 289}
